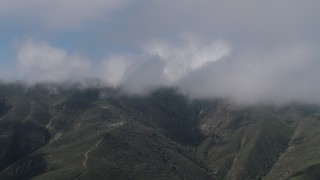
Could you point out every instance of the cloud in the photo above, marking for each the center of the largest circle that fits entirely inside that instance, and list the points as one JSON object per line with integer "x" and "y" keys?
{"x": 190, "y": 56}
{"x": 37, "y": 61}
{"x": 248, "y": 51}
{"x": 246, "y": 22}
{"x": 281, "y": 75}
{"x": 161, "y": 64}
{"x": 59, "y": 14}
{"x": 197, "y": 68}
{"x": 115, "y": 69}
{"x": 5, "y": 75}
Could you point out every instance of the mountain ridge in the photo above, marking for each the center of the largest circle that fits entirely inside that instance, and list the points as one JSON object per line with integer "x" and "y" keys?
{"x": 45, "y": 134}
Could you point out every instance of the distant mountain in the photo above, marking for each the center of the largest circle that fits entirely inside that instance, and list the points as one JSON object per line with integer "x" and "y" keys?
{"x": 52, "y": 132}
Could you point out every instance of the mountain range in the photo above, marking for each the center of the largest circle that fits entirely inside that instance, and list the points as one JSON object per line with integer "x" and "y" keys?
{"x": 55, "y": 132}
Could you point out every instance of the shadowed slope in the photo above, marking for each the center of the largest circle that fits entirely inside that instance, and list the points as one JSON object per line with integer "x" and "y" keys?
{"x": 97, "y": 133}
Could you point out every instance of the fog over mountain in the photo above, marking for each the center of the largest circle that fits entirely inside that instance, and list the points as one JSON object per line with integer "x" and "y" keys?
{"x": 159, "y": 89}
{"x": 248, "y": 51}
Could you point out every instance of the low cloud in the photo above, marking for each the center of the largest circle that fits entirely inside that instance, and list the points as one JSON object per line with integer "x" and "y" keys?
{"x": 249, "y": 51}
{"x": 161, "y": 64}
{"x": 37, "y": 62}
{"x": 157, "y": 64}
{"x": 198, "y": 69}
{"x": 281, "y": 75}
{"x": 186, "y": 57}
{"x": 5, "y": 75}
{"x": 115, "y": 69}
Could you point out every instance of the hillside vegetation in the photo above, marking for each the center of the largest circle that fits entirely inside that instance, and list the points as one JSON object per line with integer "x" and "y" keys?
{"x": 52, "y": 132}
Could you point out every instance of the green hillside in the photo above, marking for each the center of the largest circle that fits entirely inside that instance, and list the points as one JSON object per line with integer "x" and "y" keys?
{"x": 54, "y": 132}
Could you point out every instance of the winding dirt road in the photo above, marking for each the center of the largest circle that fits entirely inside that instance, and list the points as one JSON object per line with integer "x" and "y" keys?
{"x": 92, "y": 148}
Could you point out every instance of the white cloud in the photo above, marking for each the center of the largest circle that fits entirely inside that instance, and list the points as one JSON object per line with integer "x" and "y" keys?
{"x": 160, "y": 64}
{"x": 274, "y": 45}
{"x": 190, "y": 56}
{"x": 115, "y": 69}
{"x": 281, "y": 75}
{"x": 39, "y": 62}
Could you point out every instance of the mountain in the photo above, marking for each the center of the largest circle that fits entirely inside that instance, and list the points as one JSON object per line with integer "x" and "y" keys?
{"x": 56, "y": 132}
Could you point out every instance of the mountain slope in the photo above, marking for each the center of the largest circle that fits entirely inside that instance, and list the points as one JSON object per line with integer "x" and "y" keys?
{"x": 52, "y": 132}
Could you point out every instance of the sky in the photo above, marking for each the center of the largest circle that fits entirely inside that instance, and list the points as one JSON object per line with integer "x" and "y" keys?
{"x": 248, "y": 51}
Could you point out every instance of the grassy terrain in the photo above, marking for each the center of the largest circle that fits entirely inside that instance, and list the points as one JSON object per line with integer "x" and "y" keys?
{"x": 52, "y": 132}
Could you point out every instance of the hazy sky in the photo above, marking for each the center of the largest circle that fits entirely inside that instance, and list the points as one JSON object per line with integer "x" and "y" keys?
{"x": 250, "y": 51}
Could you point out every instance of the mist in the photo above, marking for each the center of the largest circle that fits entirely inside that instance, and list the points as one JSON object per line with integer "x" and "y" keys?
{"x": 248, "y": 52}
